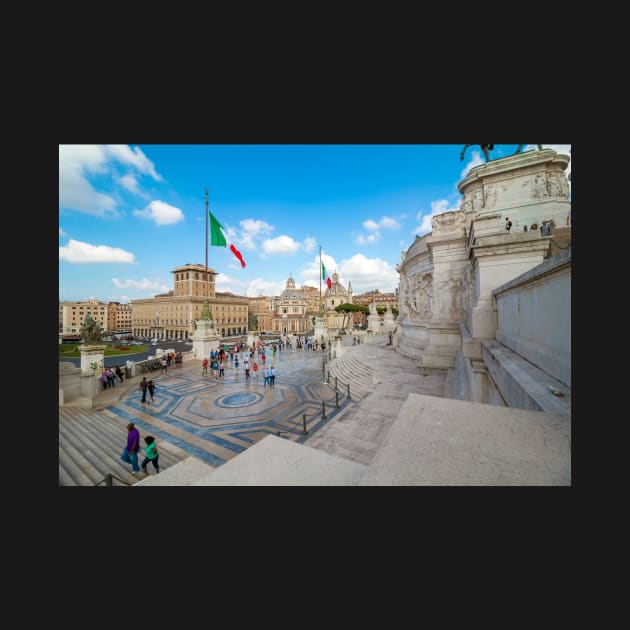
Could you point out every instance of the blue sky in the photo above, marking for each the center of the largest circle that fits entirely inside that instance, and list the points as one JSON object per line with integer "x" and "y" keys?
{"x": 130, "y": 214}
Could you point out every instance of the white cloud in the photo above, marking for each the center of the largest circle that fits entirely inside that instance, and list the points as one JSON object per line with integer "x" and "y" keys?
{"x": 367, "y": 274}
{"x": 309, "y": 244}
{"x": 250, "y": 229}
{"x": 252, "y": 288}
{"x": 160, "y": 212}
{"x": 62, "y": 233}
{"x": 78, "y": 163}
{"x": 373, "y": 227}
{"x": 141, "y": 285}
{"x": 364, "y": 273}
{"x": 132, "y": 157}
{"x": 476, "y": 160}
{"x": 437, "y": 207}
{"x": 389, "y": 223}
{"x": 130, "y": 182}
{"x": 370, "y": 238}
{"x": 312, "y": 272}
{"x": 78, "y": 252}
{"x": 281, "y": 245}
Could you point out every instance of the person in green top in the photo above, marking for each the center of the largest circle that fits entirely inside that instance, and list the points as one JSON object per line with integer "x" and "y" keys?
{"x": 152, "y": 455}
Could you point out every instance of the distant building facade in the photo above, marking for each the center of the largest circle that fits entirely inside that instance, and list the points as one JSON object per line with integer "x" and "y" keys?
{"x": 289, "y": 308}
{"x": 173, "y": 315}
{"x": 333, "y": 297}
{"x": 72, "y": 315}
{"x": 261, "y": 307}
{"x": 382, "y": 300}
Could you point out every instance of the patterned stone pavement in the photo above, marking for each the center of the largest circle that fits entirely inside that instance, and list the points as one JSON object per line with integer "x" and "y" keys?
{"x": 216, "y": 419}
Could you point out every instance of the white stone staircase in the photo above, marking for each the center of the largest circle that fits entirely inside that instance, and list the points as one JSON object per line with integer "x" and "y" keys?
{"x": 90, "y": 444}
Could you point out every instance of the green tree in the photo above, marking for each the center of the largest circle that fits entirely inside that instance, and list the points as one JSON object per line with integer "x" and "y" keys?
{"x": 349, "y": 309}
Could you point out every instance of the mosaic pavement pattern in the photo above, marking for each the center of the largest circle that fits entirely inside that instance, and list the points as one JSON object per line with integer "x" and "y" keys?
{"x": 216, "y": 420}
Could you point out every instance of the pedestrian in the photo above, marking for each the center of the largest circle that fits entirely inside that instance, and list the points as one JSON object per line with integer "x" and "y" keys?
{"x": 508, "y": 224}
{"x": 204, "y": 366}
{"x": 104, "y": 379}
{"x": 111, "y": 377}
{"x": 119, "y": 373}
{"x": 143, "y": 388}
{"x": 164, "y": 369}
{"x": 221, "y": 369}
{"x": 151, "y": 388}
{"x": 272, "y": 377}
{"x": 130, "y": 452}
{"x": 255, "y": 368}
{"x": 152, "y": 455}
{"x": 266, "y": 377}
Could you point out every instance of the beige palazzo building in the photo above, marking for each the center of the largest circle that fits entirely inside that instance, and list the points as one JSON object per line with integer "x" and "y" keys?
{"x": 173, "y": 315}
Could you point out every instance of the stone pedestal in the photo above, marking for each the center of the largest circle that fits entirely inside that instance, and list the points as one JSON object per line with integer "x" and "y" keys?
{"x": 252, "y": 338}
{"x": 205, "y": 339}
{"x": 388, "y": 321}
{"x": 89, "y": 356}
{"x": 321, "y": 332}
{"x": 444, "y": 342}
{"x": 374, "y": 324}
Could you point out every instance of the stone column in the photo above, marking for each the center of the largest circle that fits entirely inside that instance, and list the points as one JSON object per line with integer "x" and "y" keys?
{"x": 447, "y": 245}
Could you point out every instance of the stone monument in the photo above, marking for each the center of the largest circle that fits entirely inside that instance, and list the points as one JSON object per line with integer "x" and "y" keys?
{"x": 205, "y": 338}
{"x": 447, "y": 276}
{"x": 388, "y": 321}
{"x": 374, "y": 320}
{"x": 320, "y": 332}
{"x": 92, "y": 353}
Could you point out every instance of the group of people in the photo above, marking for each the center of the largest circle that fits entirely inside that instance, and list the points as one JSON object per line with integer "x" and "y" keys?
{"x": 147, "y": 386}
{"x": 132, "y": 448}
{"x": 108, "y": 377}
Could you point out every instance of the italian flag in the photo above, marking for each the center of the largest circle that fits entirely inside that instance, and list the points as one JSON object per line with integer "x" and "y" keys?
{"x": 217, "y": 238}
{"x": 326, "y": 277}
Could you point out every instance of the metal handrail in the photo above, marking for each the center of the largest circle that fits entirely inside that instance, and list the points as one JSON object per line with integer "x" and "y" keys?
{"x": 108, "y": 480}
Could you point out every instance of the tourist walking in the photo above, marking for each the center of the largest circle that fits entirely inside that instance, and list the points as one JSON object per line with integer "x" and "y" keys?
{"x": 143, "y": 386}
{"x": 152, "y": 455}
{"x": 130, "y": 452}
{"x": 204, "y": 367}
{"x": 164, "y": 369}
{"x": 111, "y": 377}
{"x": 119, "y": 373}
{"x": 272, "y": 377}
{"x": 151, "y": 388}
{"x": 255, "y": 368}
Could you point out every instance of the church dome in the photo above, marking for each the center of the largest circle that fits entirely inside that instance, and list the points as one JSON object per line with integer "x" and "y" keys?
{"x": 290, "y": 292}
{"x": 336, "y": 287}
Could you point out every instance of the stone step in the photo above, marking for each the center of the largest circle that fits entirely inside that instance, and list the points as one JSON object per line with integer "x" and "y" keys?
{"x": 90, "y": 444}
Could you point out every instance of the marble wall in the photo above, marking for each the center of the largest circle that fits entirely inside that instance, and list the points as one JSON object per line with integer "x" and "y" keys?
{"x": 448, "y": 278}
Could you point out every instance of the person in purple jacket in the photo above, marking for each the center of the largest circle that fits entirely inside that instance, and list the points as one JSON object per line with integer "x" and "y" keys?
{"x": 130, "y": 452}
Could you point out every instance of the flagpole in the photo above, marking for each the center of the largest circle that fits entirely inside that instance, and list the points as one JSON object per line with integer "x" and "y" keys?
{"x": 320, "y": 278}
{"x": 205, "y": 312}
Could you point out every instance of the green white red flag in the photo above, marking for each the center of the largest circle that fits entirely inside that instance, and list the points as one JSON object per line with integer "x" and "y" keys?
{"x": 326, "y": 277}
{"x": 217, "y": 238}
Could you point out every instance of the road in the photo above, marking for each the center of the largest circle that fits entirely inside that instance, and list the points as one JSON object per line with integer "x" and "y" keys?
{"x": 178, "y": 346}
